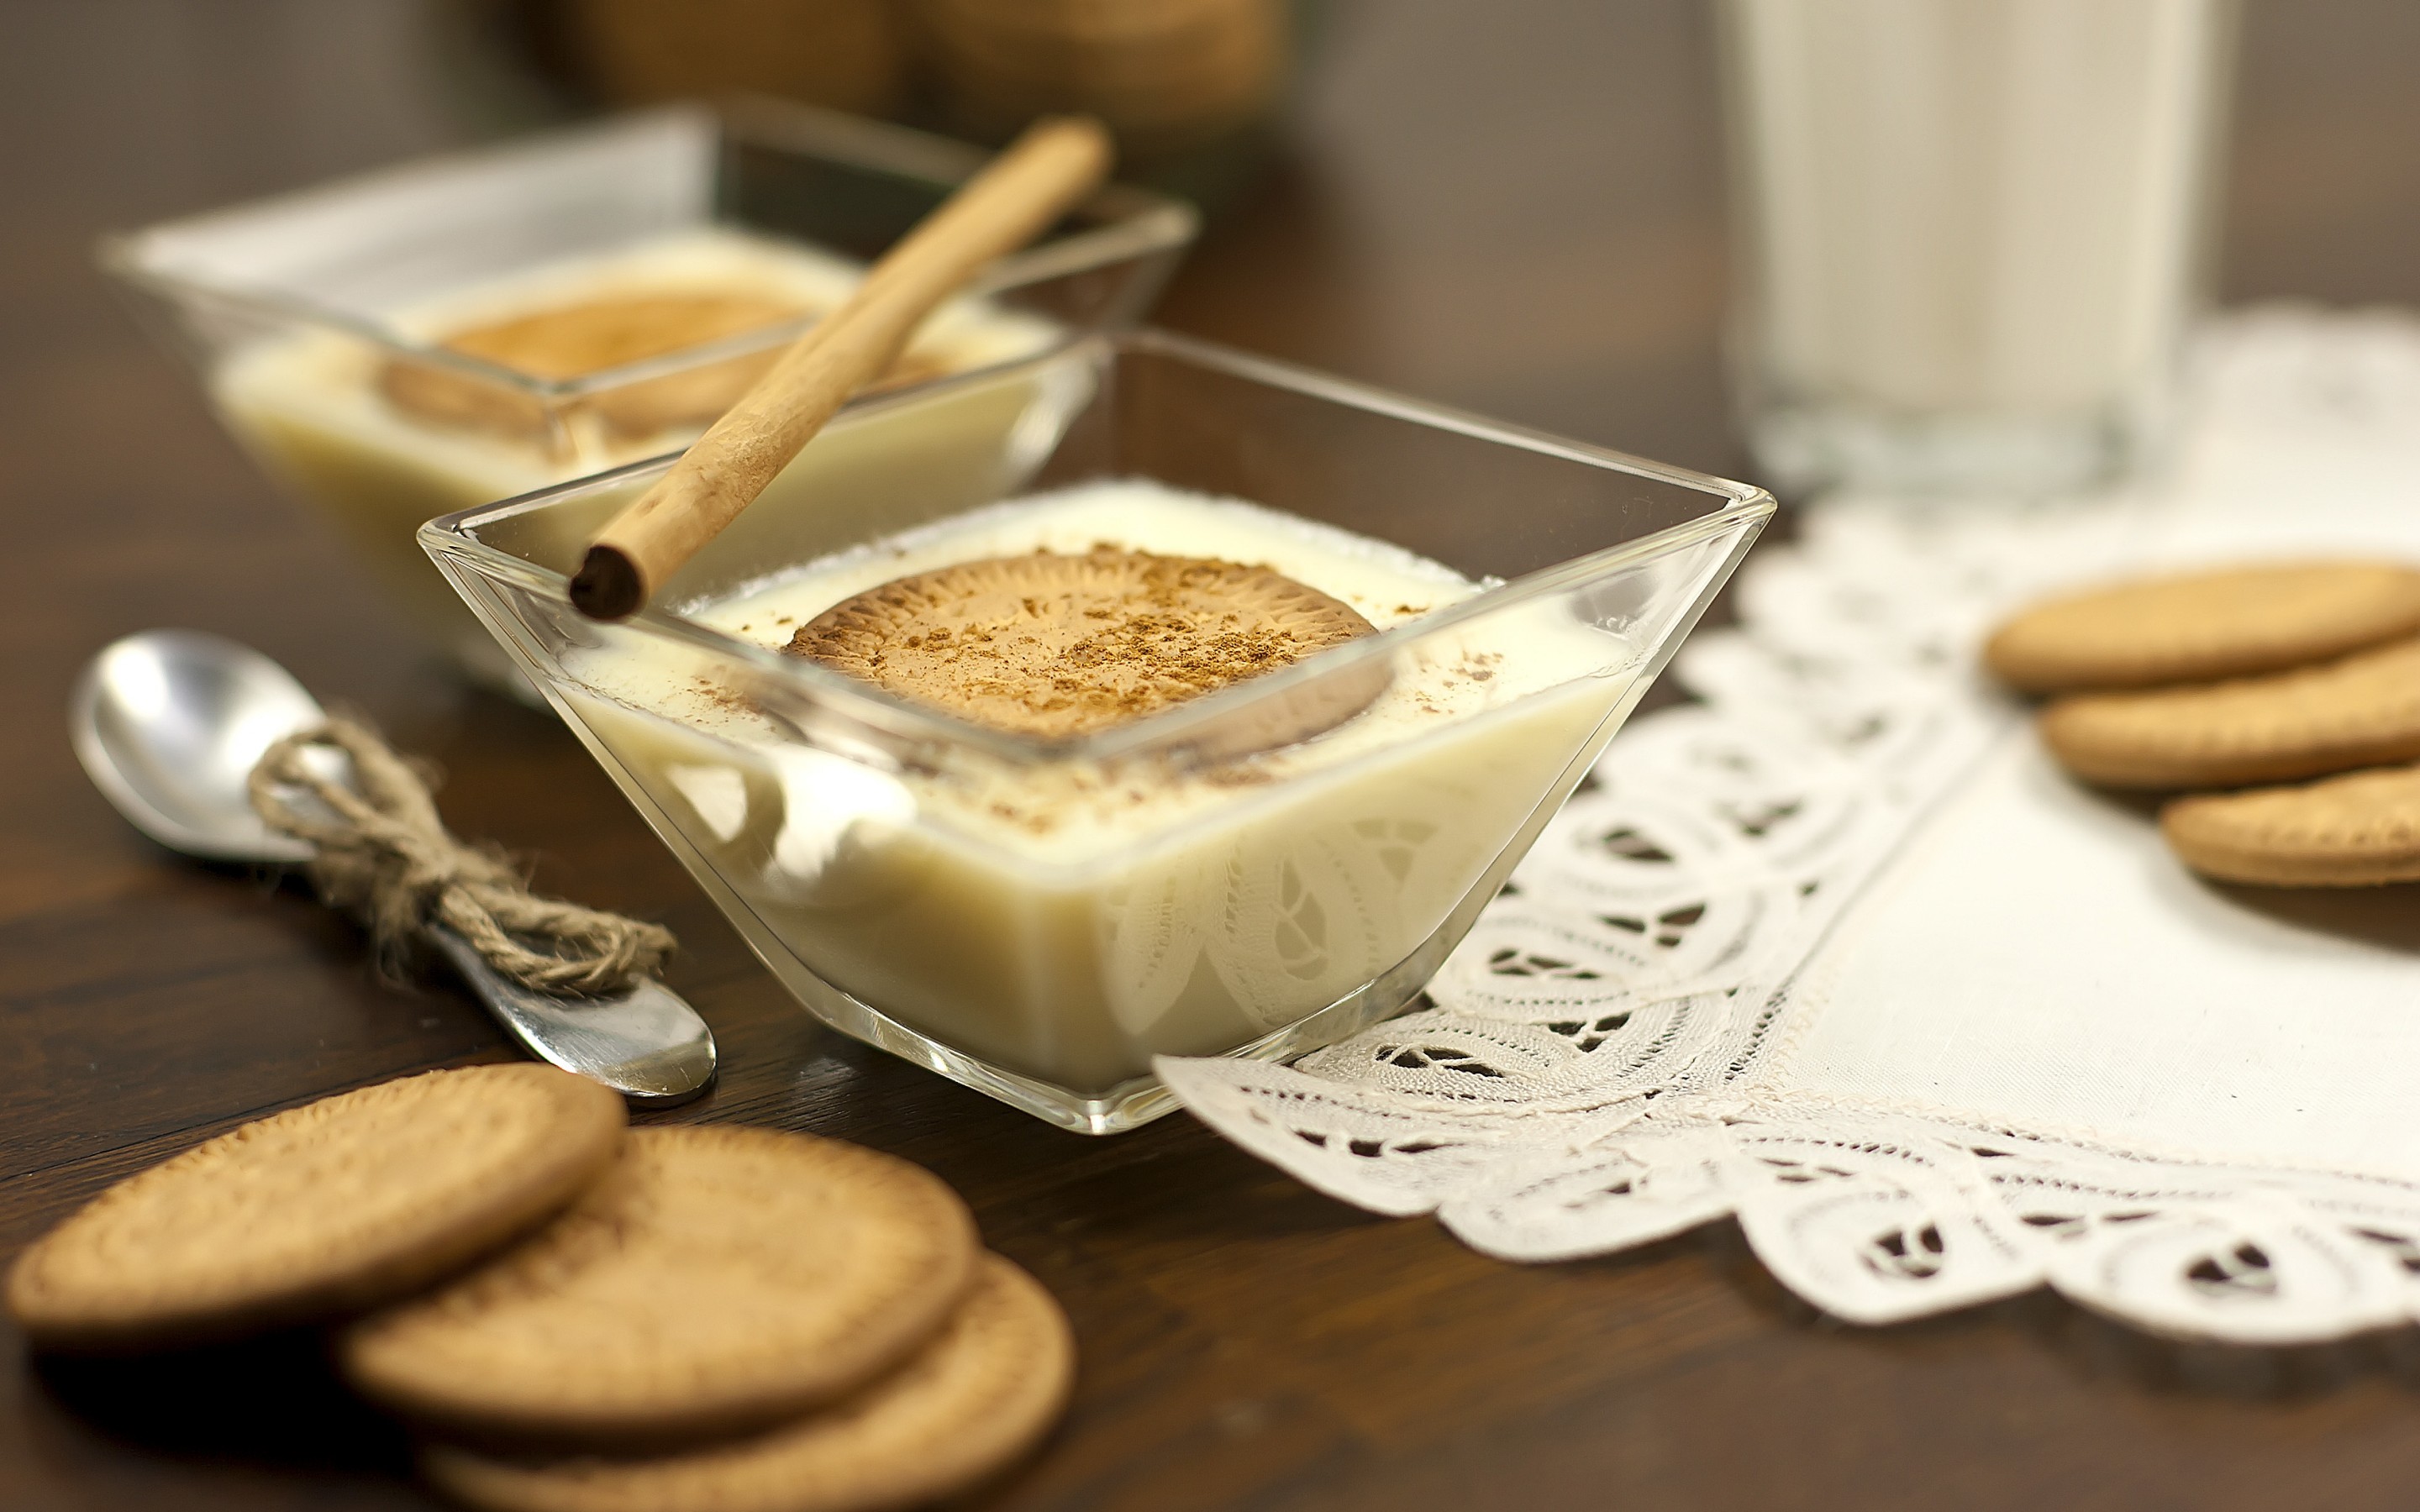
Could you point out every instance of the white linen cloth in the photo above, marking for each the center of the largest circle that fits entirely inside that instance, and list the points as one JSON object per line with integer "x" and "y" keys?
{"x": 1838, "y": 952}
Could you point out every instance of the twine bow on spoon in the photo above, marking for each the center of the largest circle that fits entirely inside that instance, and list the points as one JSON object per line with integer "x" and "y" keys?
{"x": 384, "y": 854}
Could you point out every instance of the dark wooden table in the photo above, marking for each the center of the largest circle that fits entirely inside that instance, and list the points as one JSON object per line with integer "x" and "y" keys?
{"x": 1512, "y": 205}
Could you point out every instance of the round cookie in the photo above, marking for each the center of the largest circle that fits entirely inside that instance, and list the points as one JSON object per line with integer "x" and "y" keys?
{"x": 1061, "y": 646}
{"x": 2352, "y": 832}
{"x": 2200, "y": 626}
{"x": 318, "y": 1212}
{"x": 571, "y": 341}
{"x": 987, "y": 1388}
{"x": 2363, "y": 711}
{"x": 592, "y": 336}
{"x": 715, "y": 1279}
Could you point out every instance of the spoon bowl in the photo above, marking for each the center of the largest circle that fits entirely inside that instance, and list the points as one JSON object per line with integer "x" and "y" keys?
{"x": 169, "y": 725}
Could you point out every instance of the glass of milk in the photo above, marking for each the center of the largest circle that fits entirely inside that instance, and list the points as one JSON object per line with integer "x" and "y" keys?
{"x": 1039, "y": 919}
{"x": 1970, "y": 233}
{"x": 302, "y": 312}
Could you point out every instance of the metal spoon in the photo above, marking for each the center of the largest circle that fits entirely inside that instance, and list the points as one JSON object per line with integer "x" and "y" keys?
{"x": 170, "y": 724}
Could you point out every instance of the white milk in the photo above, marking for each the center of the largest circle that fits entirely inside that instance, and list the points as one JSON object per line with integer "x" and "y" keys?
{"x": 1070, "y": 921}
{"x": 1971, "y": 208}
{"x": 308, "y": 403}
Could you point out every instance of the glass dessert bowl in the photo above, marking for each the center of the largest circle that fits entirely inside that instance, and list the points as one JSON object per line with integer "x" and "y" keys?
{"x": 1037, "y": 902}
{"x": 415, "y": 342}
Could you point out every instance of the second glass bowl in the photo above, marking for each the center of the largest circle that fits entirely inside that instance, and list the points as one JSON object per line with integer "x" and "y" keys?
{"x": 319, "y": 322}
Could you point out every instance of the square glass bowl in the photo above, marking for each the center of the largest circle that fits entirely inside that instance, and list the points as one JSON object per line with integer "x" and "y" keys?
{"x": 1253, "y": 900}
{"x": 314, "y": 318}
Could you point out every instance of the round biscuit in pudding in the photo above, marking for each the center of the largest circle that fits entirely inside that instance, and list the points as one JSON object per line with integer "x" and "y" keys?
{"x": 2200, "y": 626}
{"x": 1059, "y": 645}
{"x": 715, "y": 1280}
{"x": 571, "y": 341}
{"x": 983, "y": 1392}
{"x": 320, "y": 1210}
{"x": 2358, "y": 830}
{"x": 587, "y": 336}
{"x": 2361, "y": 711}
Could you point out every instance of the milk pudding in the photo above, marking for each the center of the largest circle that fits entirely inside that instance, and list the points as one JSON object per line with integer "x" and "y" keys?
{"x": 380, "y": 442}
{"x": 1065, "y": 919}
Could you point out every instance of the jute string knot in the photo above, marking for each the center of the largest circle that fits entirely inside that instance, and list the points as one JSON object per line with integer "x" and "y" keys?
{"x": 384, "y": 854}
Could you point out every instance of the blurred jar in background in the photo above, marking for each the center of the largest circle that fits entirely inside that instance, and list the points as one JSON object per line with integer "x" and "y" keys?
{"x": 1190, "y": 87}
{"x": 1165, "y": 74}
{"x": 849, "y": 55}
{"x": 1970, "y": 235}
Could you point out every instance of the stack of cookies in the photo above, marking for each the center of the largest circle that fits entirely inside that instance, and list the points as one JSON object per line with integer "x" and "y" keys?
{"x": 576, "y": 1316}
{"x": 2251, "y": 680}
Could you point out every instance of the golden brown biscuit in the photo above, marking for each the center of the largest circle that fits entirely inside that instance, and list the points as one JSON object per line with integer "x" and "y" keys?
{"x": 1060, "y": 646}
{"x": 2353, "y": 831}
{"x": 2201, "y": 627}
{"x": 572, "y": 341}
{"x": 2362, "y": 711}
{"x": 715, "y": 1279}
{"x": 986, "y": 1389}
{"x": 318, "y": 1211}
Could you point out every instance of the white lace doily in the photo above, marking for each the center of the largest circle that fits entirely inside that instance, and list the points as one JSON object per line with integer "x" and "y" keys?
{"x": 1836, "y": 954}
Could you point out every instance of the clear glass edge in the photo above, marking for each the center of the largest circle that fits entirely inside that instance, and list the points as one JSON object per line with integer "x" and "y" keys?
{"x": 1748, "y": 508}
{"x": 1139, "y": 1099}
{"x": 1141, "y": 223}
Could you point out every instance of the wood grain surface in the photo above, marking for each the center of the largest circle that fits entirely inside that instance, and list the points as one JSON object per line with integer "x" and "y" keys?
{"x": 1511, "y": 205}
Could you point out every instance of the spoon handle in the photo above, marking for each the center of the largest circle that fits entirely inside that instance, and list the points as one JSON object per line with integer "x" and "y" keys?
{"x": 647, "y": 1043}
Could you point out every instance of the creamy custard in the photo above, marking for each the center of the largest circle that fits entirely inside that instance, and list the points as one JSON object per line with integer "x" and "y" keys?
{"x": 344, "y": 425}
{"x": 1071, "y": 920}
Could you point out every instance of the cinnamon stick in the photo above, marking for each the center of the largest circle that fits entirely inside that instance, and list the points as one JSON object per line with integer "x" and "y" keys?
{"x": 1053, "y": 165}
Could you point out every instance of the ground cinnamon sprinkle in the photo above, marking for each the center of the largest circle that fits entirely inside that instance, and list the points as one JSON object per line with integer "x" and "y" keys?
{"x": 592, "y": 335}
{"x": 1056, "y": 645}
{"x": 728, "y": 699}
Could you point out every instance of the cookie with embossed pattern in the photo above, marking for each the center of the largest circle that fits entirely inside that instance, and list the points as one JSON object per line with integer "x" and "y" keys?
{"x": 2361, "y": 711}
{"x": 588, "y": 336}
{"x": 2201, "y": 627}
{"x": 1063, "y": 645}
{"x": 318, "y": 1212}
{"x": 980, "y": 1393}
{"x": 573, "y": 341}
{"x": 2353, "y": 831}
{"x": 715, "y": 1280}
